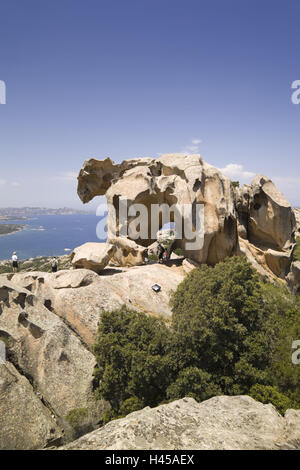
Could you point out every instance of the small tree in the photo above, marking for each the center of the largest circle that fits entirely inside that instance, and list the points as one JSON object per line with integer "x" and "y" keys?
{"x": 219, "y": 327}
{"x": 132, "y": 360}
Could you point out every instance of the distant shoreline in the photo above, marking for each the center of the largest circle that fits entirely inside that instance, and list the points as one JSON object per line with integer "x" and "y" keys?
{"x": 23, "y": 213}
{"x": 11, "y": 229}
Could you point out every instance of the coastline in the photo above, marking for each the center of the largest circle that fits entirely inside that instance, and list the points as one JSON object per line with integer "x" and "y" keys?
{"x": 20, "y": 229}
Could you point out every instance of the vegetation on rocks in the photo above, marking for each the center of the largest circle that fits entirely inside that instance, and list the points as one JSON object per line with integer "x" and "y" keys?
{"x": 296, "y": 254}
{"x": 41, "y": 263}
{"x": 230, "y": 334}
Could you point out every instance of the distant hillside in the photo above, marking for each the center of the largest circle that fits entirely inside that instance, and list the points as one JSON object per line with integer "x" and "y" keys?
{"x": 24, "y": 212}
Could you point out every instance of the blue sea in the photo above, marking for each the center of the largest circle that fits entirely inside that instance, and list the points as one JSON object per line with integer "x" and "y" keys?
{"x": 49, "y": 235}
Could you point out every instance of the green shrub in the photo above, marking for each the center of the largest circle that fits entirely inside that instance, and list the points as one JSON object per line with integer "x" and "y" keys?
{"x": 80, "y": 422}
{"x": 267, "y": 394}
{"x": 193, "y": 382}
{"x": 230, "y": 334}
{"x": 219, "y": 327}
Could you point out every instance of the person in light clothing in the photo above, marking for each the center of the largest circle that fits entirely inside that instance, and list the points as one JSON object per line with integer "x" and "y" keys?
{"x": 15, "y": 262}
{"x": 54, "y": 264}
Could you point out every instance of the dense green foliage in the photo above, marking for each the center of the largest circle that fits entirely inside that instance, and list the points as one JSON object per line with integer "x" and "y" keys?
{"x": 219, "y": 327}
{"x": 132, "y": 360}
{"x": 230, "y": 334}
{"x": 78, "y": 423}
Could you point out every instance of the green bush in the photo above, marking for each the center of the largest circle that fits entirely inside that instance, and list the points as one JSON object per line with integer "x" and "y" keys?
{"x": 193, "y": 382}
{"x": 219, "y": 325}
{"x": 132, "y": 360}
{"x": 267, "y": 394}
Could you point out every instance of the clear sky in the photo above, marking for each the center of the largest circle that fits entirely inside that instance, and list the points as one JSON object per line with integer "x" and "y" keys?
{"x": 129, "y": 78}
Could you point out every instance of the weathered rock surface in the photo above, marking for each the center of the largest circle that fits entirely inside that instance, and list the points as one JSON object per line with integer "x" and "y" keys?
{"x": 267, "y": 226}
{"x": 268, "y": 217}
{"x": 47, "y": 352}
{"x": 128, "y": 253}
{"x": 188, "y": 265}
{"x": 79, "y": 296}
{"x": 222, "y": 423}
{"x": 25, "y": 422}
{"x": 170, "y": 179}
{"x": 94, "y": 256}
{"x": 256, "y": 220}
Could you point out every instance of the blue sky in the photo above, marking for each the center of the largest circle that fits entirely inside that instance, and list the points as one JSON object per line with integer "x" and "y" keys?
{"x": 129, "y": 78}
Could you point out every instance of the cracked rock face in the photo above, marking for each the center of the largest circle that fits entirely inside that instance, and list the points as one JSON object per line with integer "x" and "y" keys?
{"x": 47, "y": 360}
{"x": 25, "y": 422}
{"x": 220, "y": 423}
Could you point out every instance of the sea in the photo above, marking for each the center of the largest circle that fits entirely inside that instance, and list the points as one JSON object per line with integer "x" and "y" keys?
{"x": 49, "y": 235}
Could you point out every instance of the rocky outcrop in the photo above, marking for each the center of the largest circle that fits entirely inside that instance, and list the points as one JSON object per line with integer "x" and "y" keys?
{"x": 128, "y": 253}
{"x": 188, "y": 265}
{"x": 267, "y": 227}
{"x": 170, "y": 179}
{"x": 297, "y": 217}
{"x": 54, "y": 360}
{"x": 221, "y": 423}
{"x": 79, "y": 296}
{"x": 256, "y": 220}
{"x": 266, "y": 215}
{"x": 26, "y": 423}
{"x": 94, "y": 256}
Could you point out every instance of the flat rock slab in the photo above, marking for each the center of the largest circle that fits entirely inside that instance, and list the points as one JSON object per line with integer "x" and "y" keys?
{"x": 221, "y": 423}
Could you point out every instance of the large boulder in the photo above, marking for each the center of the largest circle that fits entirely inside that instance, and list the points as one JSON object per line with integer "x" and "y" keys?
{"x": 170, "y": 179}
{"x": 128, "y": 253}
{"x": 94, "y": 256}
{"x": 266, "y": 215}
{"x": 255, "y": 220}
{"x": 266, "y": 226}
{"x": 221, "y": 423}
